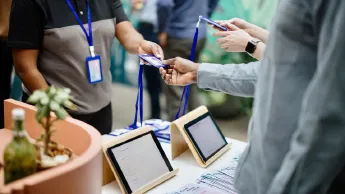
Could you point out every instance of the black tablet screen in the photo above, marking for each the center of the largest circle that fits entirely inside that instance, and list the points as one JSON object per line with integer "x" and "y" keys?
{"x": 206, "y": 136}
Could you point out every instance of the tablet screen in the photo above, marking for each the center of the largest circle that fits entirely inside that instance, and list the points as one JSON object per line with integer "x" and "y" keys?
{"x": 139, "y": 161}
{"x": 206, "y": 136}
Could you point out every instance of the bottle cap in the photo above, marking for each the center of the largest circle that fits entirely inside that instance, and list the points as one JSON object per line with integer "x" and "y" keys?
{"x": 18, "y": 114}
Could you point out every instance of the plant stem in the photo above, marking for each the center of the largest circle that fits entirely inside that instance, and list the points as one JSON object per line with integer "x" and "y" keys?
{"x": 47, "y": 136}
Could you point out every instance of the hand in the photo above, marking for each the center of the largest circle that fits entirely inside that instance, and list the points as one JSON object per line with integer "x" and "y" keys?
{"x": 147, "y": 47}
{"x": 181, "y": 72}
{"x": 238, "y": 23}
{"x": 163, "y": 39}
{"x": 233, "y": 41}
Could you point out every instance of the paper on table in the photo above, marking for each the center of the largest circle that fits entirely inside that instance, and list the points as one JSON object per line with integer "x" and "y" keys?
{"x": 195, "y": 189}
{"x": 220, "y": 180}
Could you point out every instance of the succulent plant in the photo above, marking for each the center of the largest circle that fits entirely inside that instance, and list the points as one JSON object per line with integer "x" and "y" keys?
{"x": 51, "y": 100}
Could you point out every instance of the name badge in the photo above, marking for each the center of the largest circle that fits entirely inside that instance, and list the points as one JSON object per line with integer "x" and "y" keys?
{"x": 94, "y": 69}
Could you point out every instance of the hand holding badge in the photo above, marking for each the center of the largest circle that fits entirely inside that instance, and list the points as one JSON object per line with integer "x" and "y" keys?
{"x": 153, "y": 60}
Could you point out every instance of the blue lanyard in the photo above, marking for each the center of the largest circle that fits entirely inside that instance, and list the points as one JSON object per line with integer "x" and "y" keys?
{"x": 186, "y": 89}
{"x": 89, "y": 21}
{"x": 139, "y": 102}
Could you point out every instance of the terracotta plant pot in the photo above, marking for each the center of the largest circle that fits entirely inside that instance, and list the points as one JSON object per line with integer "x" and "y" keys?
{"x": 82, "y": 175}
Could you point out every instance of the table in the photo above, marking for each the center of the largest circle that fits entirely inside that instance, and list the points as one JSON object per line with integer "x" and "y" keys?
{"x": 189, "y": 169}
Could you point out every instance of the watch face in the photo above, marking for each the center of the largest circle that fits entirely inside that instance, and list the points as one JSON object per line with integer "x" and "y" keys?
{"x": 251, "y": 47}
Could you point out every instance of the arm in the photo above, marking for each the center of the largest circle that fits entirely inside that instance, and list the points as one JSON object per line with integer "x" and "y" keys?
{"x": 260, "y": 50}
{"x": 236, "y": 40}
{"x": 212, "y": 5}
{"x": 25, "y": 62}
{"x": 129, "y": 38}
{"x": 234, "y": 79}
{"x": 25, "y": 37}
{"x": 317, "y": 151}
{"x": 134, "y": 42}
{"x": 259, "y": 33}
{"x": 253, "y": 30}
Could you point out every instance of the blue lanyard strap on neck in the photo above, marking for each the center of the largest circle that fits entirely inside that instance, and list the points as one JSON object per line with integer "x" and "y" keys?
{"x": 139, "y": 102}
{"x": 186, "y": 89}
{"x": 89, "y": 21}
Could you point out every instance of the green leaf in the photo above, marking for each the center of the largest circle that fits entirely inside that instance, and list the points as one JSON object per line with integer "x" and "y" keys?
{"x": 52, "y": 91}
{"x": 45, "y": 100}
{"x": 61, "y": 113}
{"x": 68, "y": 104}
{"x": 54, "y": 105}
{"x": 61, "y": 96}
{"x": 42, "y": 112}
{"x": 36, "y": 96}
{"x": 67, "y": 90}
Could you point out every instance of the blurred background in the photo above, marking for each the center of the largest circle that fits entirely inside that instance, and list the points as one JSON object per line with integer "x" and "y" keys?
{"x": 232, "y": 113}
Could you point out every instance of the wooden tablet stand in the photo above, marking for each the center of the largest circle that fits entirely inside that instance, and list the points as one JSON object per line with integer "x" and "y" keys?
{"x": 108, "y": 163}
{"x": 180, "y": 140}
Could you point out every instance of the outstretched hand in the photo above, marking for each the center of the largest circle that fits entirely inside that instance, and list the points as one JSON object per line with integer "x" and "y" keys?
{"x": 181, "y": 72}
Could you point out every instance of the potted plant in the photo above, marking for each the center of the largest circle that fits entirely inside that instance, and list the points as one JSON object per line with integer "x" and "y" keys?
{"x": 46, "y": 101}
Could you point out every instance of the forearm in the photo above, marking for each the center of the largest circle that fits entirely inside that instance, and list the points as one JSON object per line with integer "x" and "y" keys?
{"x": 25, "y": 62}
{"x": 234, "y": 79}
{"x": 128, "y": 37}
{"x": 259, "y": 33}
{"x": 32, "y": 80}
{"x": 260, "y": 50}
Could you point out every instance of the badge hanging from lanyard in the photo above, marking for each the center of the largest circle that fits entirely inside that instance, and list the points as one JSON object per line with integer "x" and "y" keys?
{"x": 93, "y": 62}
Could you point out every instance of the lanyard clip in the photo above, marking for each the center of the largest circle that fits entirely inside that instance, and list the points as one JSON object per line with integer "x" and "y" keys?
{"x": 92, "y": 51}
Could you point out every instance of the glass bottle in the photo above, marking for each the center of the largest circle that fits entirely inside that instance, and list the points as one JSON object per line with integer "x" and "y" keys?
{"x": 20, "y": 156}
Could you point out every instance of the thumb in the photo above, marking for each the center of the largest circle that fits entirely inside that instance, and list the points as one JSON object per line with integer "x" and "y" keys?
{"x": 231, "y": 27}
{"x": 170, "y": 62}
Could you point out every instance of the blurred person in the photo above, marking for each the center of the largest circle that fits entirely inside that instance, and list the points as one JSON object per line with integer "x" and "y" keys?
{"x": 6, "y": 62}
{"x": 176, "y": 26}
{"x": 55, "y": 50}
{"x": 147, "y": 26}
{"x": 296, "y": 132}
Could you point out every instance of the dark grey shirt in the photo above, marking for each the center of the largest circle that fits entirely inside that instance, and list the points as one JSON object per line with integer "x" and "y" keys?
{"x": 50, "y": 26}
{"x": 297, "y": 133}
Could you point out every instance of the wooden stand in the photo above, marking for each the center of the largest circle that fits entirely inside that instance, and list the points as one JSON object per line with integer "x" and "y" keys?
{"x": 180, "y": 140}
{"x": 108, "y": 175}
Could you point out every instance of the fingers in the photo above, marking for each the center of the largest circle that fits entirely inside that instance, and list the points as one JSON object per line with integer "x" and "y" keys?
{"x": 222, "y": 33}
{"x": 160, "y": 50}
{"x": 231, "y": 27}
{"x": 155, "y": 49}
{"x": 224, "y": 46}
{"x": 222, "y": 40}
{"x": 170, "y": 62}
{"x": 165, "y": 76}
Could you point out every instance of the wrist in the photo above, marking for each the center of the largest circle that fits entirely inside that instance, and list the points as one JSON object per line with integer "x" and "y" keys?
{"x": 195, "y": 73}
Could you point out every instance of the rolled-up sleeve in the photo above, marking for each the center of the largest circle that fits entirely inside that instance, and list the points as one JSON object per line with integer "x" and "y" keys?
{"x": 317, "y": 151}
{"x": 234, "y": 79}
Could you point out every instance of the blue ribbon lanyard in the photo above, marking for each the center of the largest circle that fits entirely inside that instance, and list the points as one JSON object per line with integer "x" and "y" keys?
{"x": 139, "y": 102}
{"x": 186, "y": 89}
{"x": 89, "y": 21}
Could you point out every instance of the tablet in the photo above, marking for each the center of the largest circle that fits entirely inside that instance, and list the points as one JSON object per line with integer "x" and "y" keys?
{"x": 139, "y": 161}
{"x": 206, "y": 136}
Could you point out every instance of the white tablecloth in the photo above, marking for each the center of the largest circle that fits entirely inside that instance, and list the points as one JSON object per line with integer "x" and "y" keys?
{"x": 189, "y": 169}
